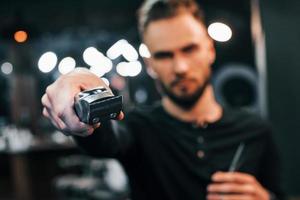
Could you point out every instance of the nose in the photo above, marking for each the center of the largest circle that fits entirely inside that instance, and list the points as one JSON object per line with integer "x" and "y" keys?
{"x": 180, "y": 65}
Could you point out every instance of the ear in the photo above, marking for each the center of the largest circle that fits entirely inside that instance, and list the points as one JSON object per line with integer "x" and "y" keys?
{"x": 149, "y": 68}
{"x": 212, "y": 52}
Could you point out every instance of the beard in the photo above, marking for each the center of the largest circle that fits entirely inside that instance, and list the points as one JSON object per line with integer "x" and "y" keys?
{"x": 187, "y": 101}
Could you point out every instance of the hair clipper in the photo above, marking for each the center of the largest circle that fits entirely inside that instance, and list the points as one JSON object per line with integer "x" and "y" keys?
{"x": 97, "y": 105}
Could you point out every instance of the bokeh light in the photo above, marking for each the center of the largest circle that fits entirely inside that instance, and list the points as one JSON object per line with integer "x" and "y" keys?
{"x": 66, "y": 65}
{"x": 219, "y": 32}
{"x": 20, "y": 36}
{"x": 47, "y": 62}
{"x": 7, "y": 68}
{"x": 144, "y": 51}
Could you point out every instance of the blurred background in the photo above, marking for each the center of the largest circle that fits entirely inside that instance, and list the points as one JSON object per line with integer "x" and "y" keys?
{"x": 257, "y": 69}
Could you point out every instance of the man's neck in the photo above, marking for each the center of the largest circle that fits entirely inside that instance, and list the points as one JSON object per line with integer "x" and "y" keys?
{"x": 206, "y": 109}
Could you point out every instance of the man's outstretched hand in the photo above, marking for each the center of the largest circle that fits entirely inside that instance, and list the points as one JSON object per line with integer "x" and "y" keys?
{"x": 58, "y": 101}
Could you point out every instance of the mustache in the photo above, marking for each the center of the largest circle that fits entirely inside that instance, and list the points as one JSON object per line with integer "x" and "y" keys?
{"x": 177, "y": 80}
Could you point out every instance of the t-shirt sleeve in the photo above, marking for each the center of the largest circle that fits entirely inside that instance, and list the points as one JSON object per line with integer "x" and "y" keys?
{"x": 113, "y": 139}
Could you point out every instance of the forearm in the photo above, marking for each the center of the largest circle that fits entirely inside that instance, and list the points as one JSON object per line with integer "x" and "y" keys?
{"x": 112, "y": 139}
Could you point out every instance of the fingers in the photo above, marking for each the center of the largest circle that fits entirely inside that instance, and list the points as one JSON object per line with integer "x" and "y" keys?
{"x": 235, "y": 185}
{"x": 231, "y": 188}
{"x": 228, "y": 197}
{"x": 120, "y": 116}
{"x": 237, "y": 177}
{"x": 95, "y": 126}
{"x": 45, "y": 113}
{"x": 70, "y": 124}
{"x": 63, "y": 117}
{"x": 49, "y": 114}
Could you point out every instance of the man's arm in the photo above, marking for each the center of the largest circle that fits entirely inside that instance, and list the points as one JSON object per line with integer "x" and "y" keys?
{"x": 112, "y": 139}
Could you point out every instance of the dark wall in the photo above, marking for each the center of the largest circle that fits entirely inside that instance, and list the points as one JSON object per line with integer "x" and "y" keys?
{"x": 55, "y": 16}
{"x": 282, "y": 26}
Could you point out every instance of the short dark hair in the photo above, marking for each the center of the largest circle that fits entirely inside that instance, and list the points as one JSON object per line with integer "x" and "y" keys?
{"x": 152, "y": 10}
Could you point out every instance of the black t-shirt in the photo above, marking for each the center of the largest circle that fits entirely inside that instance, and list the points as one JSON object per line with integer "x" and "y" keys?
{"x": 168, "y": 159}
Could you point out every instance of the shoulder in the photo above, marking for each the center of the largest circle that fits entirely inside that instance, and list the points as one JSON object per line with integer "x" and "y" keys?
{"x": 250, "y": 124}
{"x": 244, "y": 118}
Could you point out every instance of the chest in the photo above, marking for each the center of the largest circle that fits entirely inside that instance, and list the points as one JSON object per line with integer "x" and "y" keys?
{"x": 198, "y": 153}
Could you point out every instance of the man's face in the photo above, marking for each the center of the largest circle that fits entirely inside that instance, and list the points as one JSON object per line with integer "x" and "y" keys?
{"x": 181, "y": 55}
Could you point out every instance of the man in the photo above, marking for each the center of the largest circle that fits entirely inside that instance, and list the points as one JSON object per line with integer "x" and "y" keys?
{"x": 183, "y": 147}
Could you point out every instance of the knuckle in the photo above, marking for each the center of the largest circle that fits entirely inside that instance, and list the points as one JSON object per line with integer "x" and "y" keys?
{"x": 76, "y": 127}
{"x": 250, "y": 188}
{"x": 228, "y": 187}
{"x": 44, "y": 100}
{"x": 49, "y": 89}
{"x": 62, "y": 126}
{"x": 233, "y": 178}
{"x": 59, "y": 112}
{"x": 252, "y": 179}
{"x": 45, "y": 113}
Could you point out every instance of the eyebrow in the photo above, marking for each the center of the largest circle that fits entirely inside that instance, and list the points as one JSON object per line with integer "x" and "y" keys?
{"x": 189, "y": 47}
{"x": 163, "y": 54}
{"x": 170, "y": 54}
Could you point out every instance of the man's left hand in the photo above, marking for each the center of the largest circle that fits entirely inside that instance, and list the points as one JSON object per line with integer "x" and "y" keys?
{"x": 235, "y": 186}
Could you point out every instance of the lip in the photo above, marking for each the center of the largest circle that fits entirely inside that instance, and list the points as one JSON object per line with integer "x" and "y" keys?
{"x": 181, "y": 82}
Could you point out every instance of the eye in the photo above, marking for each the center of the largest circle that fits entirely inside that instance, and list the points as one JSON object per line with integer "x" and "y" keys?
{"x": 190, "y": 48}
{"x": 162, "y": 55}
